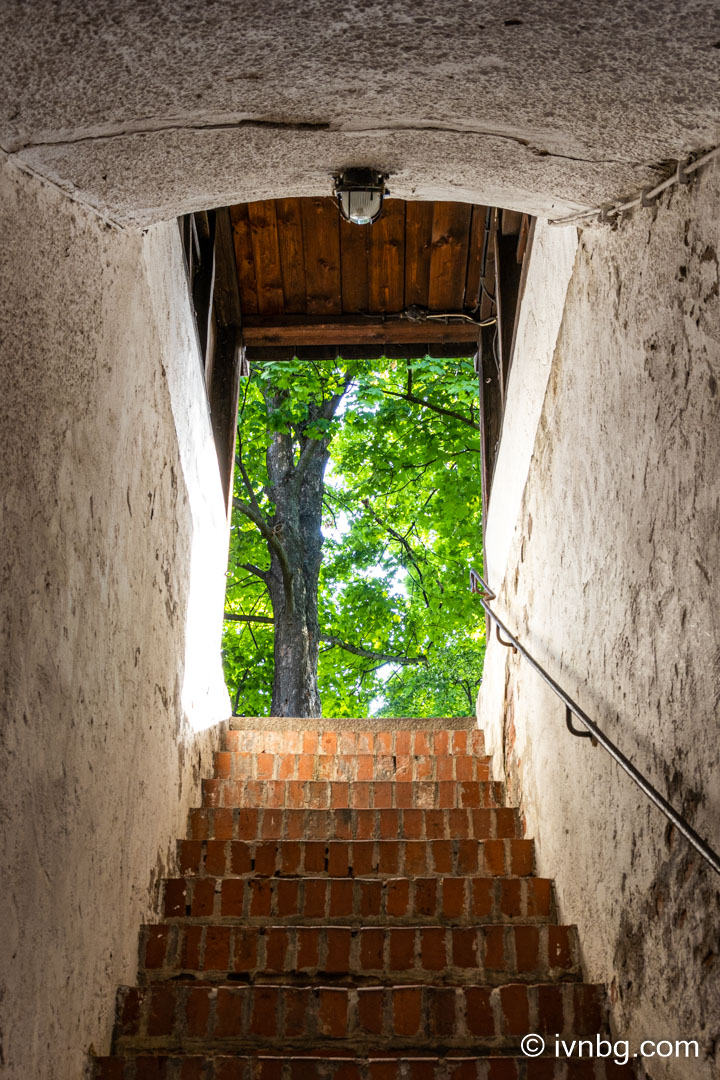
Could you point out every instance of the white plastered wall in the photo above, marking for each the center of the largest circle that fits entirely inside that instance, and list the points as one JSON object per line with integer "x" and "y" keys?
{"x": 114, "y": 538}
{"x": 607, "y": 568}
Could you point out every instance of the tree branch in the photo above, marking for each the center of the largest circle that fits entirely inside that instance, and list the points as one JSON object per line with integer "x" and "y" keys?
{"x": 402, "y": 540}
{"x": 434, "y": 408}
{"x": 272, "y": 538}
{"x": 232, "y": 616}
{"x": 253, "y": 569}
{"x": 369, "y": 654}
{"x": 313, "y": 446}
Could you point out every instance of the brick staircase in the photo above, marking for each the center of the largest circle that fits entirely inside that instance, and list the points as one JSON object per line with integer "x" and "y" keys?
{"x": 355, "y": 905}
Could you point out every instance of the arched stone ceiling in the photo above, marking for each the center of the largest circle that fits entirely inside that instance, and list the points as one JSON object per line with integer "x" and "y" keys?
{"x": 147, "y": 110}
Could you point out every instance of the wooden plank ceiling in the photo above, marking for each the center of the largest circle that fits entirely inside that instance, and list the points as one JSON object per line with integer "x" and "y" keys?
{"x": 313, "y": 285}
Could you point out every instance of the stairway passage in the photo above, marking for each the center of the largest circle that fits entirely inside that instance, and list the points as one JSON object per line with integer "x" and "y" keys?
{"x": 355, "y": 905}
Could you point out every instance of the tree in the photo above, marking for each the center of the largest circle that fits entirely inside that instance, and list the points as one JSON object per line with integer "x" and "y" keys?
{"x": 387, "y": 607}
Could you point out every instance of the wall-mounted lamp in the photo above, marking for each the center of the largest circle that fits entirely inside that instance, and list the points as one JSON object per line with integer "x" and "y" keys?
{"x": 360, "y": 194}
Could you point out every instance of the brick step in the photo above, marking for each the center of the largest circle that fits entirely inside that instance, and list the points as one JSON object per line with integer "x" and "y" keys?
{"x": 360, "y": 795}
{"x": 418, "y": 743}
{"x": 356, "y": 858}
{"x": 331, "y": 1067}
{"x": 250, "y": 823}
{"x": 453, "y": 900}
{"x": 490, "y": 954}
{"x": 404, "y": 768}
{"x": 171, "y": 1016}
{"x": 324, "y": 724}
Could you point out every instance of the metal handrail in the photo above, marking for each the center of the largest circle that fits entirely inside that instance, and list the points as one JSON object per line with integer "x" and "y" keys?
{"x": 483, "y": 590}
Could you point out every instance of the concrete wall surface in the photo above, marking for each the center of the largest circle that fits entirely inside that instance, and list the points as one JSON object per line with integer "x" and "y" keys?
{"x": 611, "y": 579}
{"x": 146, "y": 111}
{"x": 110, "y": 494}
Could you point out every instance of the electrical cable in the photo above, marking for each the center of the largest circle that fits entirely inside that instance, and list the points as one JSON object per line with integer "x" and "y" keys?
{"x": 646, "y": 197}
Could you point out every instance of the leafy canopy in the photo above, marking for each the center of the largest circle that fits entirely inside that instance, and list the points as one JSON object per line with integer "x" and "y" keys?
{"x": 401, "y": 526}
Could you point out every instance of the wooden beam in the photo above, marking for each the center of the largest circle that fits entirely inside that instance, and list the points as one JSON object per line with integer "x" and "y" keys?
{"x": 448, "y": 259}
{"x": 349, "y": 330}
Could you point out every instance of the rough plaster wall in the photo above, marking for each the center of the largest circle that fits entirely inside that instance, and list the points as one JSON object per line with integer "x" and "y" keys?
{"x": 148, "y": 110}
{"x": 99, "y": 759}
{"x": 612, "y": 580}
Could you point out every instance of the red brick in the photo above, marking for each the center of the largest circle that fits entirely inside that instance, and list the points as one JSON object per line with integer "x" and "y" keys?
{"x": 308, "y": 944}
{"x": 245, "y": 958}
{"x": 372, "y": 942}
{"x": 341, "y": 897}
{"x": 310, "y": 742}
{"x": 425, "y": 896}
{"x": 389, "y": 1070}
{"x": 432, "y": 948}
{"x": 382, "y": 794}
{"x": 464, "y": 768}
{"x": 315, "y": 897}
{"x": 191, "y": 1069}
{"x": 241, "y": 857}
{"x": 264, "y": 1010}
{"x": 197, "y": 1011}
{"x": 200, "y": 823}
{"x": 478, "y": 1011}
{"x": 332, "y": 1013}
{"x": 467, "y": 857}
{"x": 389, "y": 857}
{"x": 482, "y": 822}
{"x": 404, "y": 796}
{"x": 441, "y": 742}
{"x": 511, "y": 898}
{"x": 587, "y": 1009}
{"x": 539, "y": 896}
{"x": 285, "y": 766}
{"x": 264, "y": 766}
{"x": 507, "y": 1069}
{"x": 232, "y": 898}
{"x": 161, "y": 1014}
{"x": 494, "y": 959}
{"x": 402, "y": 742}
{"x": 294, "y": 828}
{"x": 229, "y": 1008}
{"x": 442, "y": 856}
{"x": 287, "y": 899}
{"x": 514, "y": 1002}
{"x": 550, "y": 1010}
{"x": 521, "y": 856}
{"x": 338, "y": 950}
{"x": 339, "y": 795}
{"x": 415, "y": 858}
{"x": 390, "y": 824}
{"x": 462, "y": 1070}
{"x": 276, "y": 949}
{"x": 297, "y": 1001}
{"x": 442, "y": 1011}
{"x": 156, "y": 939}
{"x": 306, "y": 767}
{"x": 217, "y": 948}
{"x": 445, "y": 768}
{"x": 370, "y": 896}
{"x": 247, "y": 824}
{"x": 398, "y": 897}
{"x": 459, "y": 742}
{"x": 370, "y": 1010}
{"x": 402, "y": 949}
{"x": 506, "y": 821}
{"x": 260, "y": 897}
{"x": 453, "y": 890}
{"x": 328, "y": 742}
{"x": 464, "y": 947}
{"x": 338, "y": 859}
{"x": 412, "y": 824}
{"x": 290, "y": 857}
{"x": 365, "y": 824}
{"x": 481, "y": 898}
{"x": 190, "y": 856}
{"x": 150, "y": 1068}
{"x": 272, "y": 825}
{"x": 494, "y": 857}
{"x": 203, "y": 898}
{"x": 223, "y": 762}
{"x": 215, "y": 857}
{"x": 407, "y": 1005}
{"x": 421, "y": 744}
{"x": 265, "y": 858}
{"x": 527, "y": 941}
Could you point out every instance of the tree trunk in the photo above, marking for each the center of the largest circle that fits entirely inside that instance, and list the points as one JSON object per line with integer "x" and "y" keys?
{"x": 297, "y": 491}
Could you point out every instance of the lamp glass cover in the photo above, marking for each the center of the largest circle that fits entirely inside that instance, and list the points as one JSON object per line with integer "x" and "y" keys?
{"x": 361, "y": 206}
